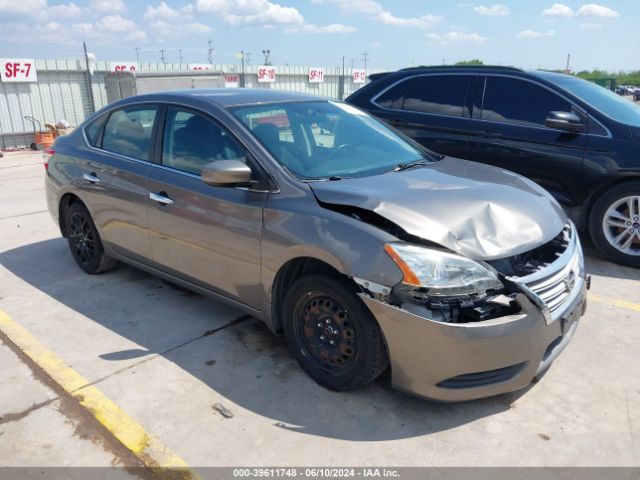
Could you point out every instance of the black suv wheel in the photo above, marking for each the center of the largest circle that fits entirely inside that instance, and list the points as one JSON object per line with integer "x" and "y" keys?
{"x": 614, "y": 224}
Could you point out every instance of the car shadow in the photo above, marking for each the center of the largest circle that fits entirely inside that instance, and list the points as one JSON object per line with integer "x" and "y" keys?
{"x": 244, "y": 362}
{"x": 598, "y": 265}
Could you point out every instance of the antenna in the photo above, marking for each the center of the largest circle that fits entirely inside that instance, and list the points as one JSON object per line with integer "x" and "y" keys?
{"x": 180, "y": 54}
{"x": 162, "y": 57}
{"x": 138, "y": 54}
{"x": 568, "y": 63}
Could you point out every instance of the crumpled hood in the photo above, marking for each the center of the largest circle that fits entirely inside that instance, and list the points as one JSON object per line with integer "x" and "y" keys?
{"x": 476, "y": 210}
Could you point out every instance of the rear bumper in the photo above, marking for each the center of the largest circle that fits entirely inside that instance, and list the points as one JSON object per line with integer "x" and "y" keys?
{"x": 455, "y": 362}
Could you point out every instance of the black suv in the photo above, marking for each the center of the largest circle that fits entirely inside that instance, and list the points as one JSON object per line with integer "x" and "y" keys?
{"x": 578, "y": 140}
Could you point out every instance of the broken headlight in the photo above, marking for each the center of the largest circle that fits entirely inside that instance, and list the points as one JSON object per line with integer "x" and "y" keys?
{"x": 441, "y": 274}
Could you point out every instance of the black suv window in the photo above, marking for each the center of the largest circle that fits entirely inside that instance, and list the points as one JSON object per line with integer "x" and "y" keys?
{"x": 192, "y": 140}
{"x": 128, "y": 131}
{"x": 518, "y": 101}
{"x": 441, "y": 94}
{"x": 394, "y": 97}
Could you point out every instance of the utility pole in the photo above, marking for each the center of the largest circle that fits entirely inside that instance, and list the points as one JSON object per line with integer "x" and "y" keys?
{"x": 341, "y": 84}
{"x": 242, "y": 60}
{"x": 162, "y": 57}
{"x": 444, "y": 61}
{"x": 365, "y": 56}
{"x": 568, "y": 70}
{"x": 86, "y": 60}
{"x": 138, "y": 55}
{"x": 210, "y": 51}
{"x": 267, "y": 56}
{"x": 180, "y": 54}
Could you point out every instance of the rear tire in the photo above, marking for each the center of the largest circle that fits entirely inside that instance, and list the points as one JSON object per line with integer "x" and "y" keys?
{"x": 614, "y": 224}
{"x": 332, "y": 334}
{"x": 84, "y": 241}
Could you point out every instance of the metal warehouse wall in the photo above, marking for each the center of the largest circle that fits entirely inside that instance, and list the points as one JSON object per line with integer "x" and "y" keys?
{"x": 62, "y": 92}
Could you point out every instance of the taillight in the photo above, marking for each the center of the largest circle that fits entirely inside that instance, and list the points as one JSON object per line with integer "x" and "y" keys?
{"x": 46, "y": 156}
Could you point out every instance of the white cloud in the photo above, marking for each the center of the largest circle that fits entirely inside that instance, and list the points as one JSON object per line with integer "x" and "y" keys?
{"x": 23, "y": 7}
{"x": 425, "y": 21}
{"x": 375, "y": 11}
{"x": 171, "y": 30}
{"x": 590, "y": 26}
{"x": 376, "y": 44}
{"x": 558, "y": 10}
{"x": 494, "y": 10}
{"x": 251, "y": 12}
{"x": 64, "y": 11}
{"x": 115, "y": 23}
{"x": 454, "y": 37}
{"x": 595, "y": 10}
{"x": 108, "y": 6}
{"x": 104, "y": 30}
{"x": 534, "y": 34}
{"x": 165, "y": 11}
{"x": 337, "y": 28}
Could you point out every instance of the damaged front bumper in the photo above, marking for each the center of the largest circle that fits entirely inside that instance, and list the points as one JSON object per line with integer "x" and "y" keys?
{"x": 464, "y": 361}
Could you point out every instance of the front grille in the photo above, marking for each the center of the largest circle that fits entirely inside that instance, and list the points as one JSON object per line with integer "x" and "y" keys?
{"x": 551, "y": 272}
{"x": 482, "y": 379}
{"x": 555, "y": 290}
{"x": 556, "y": 283}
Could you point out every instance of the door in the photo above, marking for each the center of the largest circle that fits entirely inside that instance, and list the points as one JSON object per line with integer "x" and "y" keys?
{"x": 431, "y": 109}
{"x": 114, "y": 177}
{"x": 207, "y": 235}
{"x": 511, "y": 133}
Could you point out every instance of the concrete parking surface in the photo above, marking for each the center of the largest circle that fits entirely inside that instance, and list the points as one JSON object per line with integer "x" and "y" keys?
{"x": 161, "y": 355}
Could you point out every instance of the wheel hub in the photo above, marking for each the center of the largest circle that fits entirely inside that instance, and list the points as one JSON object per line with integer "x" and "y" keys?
{"x": 328, "y": 332}
{"x": 621, "y": 225}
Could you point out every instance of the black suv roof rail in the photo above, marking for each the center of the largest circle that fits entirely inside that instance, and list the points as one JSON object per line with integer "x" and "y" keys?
{"x": 449, "y": 67}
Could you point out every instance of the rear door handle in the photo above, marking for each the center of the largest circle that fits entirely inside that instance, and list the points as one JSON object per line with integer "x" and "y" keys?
{"x": 488, "y": 134}
{"x": 91, "y": 177}
{"x": 160, "y": 197}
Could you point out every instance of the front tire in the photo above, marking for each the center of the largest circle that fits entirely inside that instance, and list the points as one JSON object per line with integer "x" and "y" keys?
{"x": 84, "y": 241}
{"x": 614, "y": 224}
{"x": 332, "y": 334}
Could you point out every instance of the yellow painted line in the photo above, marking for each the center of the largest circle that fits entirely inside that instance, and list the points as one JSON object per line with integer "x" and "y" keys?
{"x": 614, "y": 301}
{"x": 128, "y": 432}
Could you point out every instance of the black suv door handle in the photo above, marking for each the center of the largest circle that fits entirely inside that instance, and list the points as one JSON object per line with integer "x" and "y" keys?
{"x": 488, "y": 134}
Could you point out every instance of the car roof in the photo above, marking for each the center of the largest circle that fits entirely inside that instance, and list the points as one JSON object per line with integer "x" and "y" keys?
{"x": 227, "y": 97}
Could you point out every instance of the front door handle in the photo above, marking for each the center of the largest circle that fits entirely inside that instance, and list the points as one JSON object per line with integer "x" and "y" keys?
{"x": 160, "y": 197}
{"x": 91, "y": 177}
{"x": 487, "y": 134}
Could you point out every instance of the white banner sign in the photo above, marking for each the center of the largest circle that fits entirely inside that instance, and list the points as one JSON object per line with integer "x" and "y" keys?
{"x": 232, "y": 81}
{"x": 266, "y": 74}
{"x": 18, "y": 70}
{"x": 316, "y": 75}
{"x": 359, "y": 76}
{"x": 199, "y": 66}
{"x": 124, "y": 66}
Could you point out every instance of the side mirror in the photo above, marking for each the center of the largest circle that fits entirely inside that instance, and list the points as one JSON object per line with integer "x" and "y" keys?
{"x": 226, "y": 173}
{"x": 567, "y": 121}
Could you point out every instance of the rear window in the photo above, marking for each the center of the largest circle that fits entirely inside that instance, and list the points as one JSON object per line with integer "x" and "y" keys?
{"x": 394, "y": 97}
{"x": 439, "y": 94}
{"x": 94, "y": 129}
{"x": 128, "y": 131}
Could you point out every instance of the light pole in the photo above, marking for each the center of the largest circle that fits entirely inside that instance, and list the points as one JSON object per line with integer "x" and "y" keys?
{"x": 267, "y": 55}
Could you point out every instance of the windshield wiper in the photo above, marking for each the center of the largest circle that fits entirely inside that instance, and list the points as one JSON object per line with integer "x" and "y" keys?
{"x": 333, "y": 178}
{"x": 404, "y": 166}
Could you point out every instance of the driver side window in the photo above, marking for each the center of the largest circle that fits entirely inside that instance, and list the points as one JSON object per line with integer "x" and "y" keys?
{"x": 192, "y": 140}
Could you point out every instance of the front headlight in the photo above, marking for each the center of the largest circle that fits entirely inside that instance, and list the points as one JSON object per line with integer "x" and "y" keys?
{"x": 442, "y": 274}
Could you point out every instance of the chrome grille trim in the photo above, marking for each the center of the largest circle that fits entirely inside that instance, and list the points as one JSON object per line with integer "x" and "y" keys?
{"x": 557, "y": 285}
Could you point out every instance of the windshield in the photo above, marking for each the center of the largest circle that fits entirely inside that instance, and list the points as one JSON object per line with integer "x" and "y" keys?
{"x": 612, "y": 105}
{"x": 324, "y": 140}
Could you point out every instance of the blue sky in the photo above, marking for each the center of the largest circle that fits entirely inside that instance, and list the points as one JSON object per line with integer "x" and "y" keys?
{"x": 399, "y": 33}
